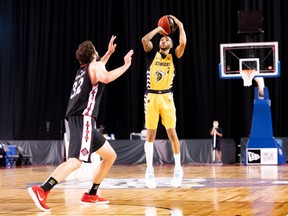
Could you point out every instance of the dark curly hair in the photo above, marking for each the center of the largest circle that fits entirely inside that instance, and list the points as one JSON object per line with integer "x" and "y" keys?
{"x": 85, "y": 52}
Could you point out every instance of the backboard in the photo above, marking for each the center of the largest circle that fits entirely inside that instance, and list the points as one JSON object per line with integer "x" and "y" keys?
{"x": 261, "y": 57}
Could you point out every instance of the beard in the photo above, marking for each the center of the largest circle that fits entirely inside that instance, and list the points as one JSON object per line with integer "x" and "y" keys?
{"x": 164, "y": 48}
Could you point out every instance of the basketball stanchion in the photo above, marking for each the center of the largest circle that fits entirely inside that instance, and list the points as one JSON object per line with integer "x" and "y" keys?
{"x": 257, "y": 60}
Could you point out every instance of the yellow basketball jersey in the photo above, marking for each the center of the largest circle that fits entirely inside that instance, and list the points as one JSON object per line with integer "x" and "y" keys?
{"x": 161, "y": 73}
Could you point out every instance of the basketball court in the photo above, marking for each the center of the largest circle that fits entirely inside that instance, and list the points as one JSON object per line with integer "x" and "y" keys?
{"x": 206, "y": 190}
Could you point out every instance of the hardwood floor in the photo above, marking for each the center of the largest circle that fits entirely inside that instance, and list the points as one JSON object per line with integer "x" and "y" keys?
{"x": 206, "y": 190}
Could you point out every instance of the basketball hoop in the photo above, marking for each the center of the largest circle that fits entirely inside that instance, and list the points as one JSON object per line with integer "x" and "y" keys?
{"x": 248, "y": 75}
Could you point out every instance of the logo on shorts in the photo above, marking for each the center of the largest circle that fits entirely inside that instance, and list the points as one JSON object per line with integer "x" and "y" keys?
{"x": 84, "y": 151}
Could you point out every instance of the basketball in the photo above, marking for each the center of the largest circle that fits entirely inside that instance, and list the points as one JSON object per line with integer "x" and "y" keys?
{"x": 168, "y": 24}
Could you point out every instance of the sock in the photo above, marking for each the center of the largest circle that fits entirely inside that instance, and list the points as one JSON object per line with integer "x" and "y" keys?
{"x": 148, "y": 147}
{"x": 49, "y": 184}
{"x": 93, "y": 190}
{"x": 177, "y": 158}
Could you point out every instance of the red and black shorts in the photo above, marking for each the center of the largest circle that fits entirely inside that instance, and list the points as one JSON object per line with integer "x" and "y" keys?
{"x": 84, "y": 137}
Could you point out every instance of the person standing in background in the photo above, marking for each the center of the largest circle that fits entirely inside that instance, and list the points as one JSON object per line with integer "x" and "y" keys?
{"x": 216, "y": 133}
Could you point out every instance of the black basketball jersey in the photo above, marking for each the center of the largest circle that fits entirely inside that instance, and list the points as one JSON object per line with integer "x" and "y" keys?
{"x": 84, "y": 98}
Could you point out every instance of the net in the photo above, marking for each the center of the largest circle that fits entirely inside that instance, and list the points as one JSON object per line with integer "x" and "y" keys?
{"x": 248, "y": 75}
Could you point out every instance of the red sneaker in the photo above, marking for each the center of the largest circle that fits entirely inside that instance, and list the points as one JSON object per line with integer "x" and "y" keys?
{"x": 39, "y": 196}
{"x": 93, "y": 199}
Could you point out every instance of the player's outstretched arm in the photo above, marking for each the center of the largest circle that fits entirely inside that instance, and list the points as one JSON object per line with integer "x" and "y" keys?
{"x": 111, "y": 49}
{"x": 104, "y": 76}
{"x": 179, "y": 51}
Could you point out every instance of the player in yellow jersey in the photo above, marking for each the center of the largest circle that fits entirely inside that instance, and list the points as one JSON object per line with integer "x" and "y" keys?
{"x": 159, "y": 98}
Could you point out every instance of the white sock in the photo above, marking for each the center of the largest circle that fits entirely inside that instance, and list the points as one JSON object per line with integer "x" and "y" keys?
{"x": 148, "y": 148}
{"x": 177, "y": 158}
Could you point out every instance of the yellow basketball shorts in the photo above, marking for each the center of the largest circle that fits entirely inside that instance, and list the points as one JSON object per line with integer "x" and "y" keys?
{"x": 160, "y": 105}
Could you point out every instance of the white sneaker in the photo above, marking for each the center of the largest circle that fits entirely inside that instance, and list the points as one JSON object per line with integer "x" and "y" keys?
{"x": 149, "y": 178}
{"x": 177, "y": 177}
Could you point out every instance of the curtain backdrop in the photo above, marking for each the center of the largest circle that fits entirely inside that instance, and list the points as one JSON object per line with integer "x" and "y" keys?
{"x": 38, "y": 40}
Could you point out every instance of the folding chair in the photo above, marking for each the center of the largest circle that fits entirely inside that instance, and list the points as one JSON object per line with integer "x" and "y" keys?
{"x": 25, "y": 157}
{"x": 10, "y": 158}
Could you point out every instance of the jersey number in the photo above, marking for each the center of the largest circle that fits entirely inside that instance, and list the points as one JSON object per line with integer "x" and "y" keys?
{"x": 77, "y": 87}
